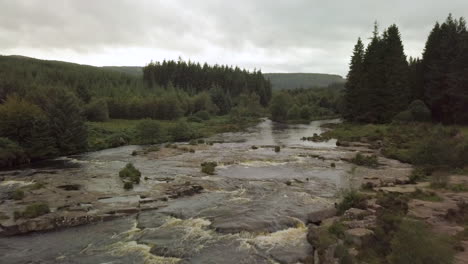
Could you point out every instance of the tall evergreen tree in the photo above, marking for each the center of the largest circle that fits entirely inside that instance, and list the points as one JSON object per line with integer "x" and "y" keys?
{"x": 396, "y": 86}
{"x": 354, "y": 82}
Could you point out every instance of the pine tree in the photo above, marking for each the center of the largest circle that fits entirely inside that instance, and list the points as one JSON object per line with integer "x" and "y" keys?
{"x": 396, "y": 80}
{"x": 354, "y": 82}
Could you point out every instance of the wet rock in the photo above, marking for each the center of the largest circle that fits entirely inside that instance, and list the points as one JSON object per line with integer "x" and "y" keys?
{"x": 355, "y": 213}
{"x": 184, "y": 190}
{"x": 318, "y": 216}
{"x": 313, "y": 235}
{"x": 359, "y": 236}
{"x": 70, "y": 187}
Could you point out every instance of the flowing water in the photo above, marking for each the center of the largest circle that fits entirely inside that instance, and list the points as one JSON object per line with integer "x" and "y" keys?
{"x": 253, "y": 210}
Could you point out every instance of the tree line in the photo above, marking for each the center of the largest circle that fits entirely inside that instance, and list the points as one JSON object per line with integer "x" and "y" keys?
{"x": 44, "y": 105}
{"x": 225, "y": 82}
{"x": 382, "y": 85}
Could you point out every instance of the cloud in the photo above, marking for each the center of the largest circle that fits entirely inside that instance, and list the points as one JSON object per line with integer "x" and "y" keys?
{"x": 282, "y": 35}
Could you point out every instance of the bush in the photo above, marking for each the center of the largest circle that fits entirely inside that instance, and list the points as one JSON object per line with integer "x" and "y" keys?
{"x": 34, "y": 210}
{"x": 181, "y": 131}
{"x": 414, "y": 243}
{"x": 277, "y": 148}
{"x": 439, "y": 181}
{"x": 149, "y": 131}
{"x": 208, "y": 167}
{"x": 11, "y": 154}
{"x": 352, "y": 199}
{"x": 337, "y": 229}
{"x": 97, "y": 111}
{"x": 368, "y": 161}
{"x": 130, "y": 174}
{"x": 203, "y": 115}
{"x": 194, "y": 119}
{"x": 18, "y": 194}
{"x": 294, "y": 113}
{"x": 305, "y": 112}
{"x": 128, "y": 185}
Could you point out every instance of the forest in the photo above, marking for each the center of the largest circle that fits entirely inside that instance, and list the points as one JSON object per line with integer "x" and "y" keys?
{"x": 383, "y": 85}
{"x": 51, "y": 108}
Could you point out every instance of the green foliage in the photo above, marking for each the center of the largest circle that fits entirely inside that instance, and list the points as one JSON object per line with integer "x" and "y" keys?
{"x": 97, "y": 111}
{"x": 439, "y": 180}
{"x": 203, "y": 115}
{"x": 26, "y": 124}
{"x": 17, "y": 194}
{"x": 208, "y": 167}
{"x": 279, "y": 106}
{"x": 149, "y": 131}
{"x": 426, "y": 196}
{"x": 33, "y": 210}
{"x": 417, "y": 112}
{"x": 277, "y": 148}
{"x": 11, "y": 154}
{"x": 337, "y": 229}
{"x": 181, "y": 131}
{"x": 130, "y": 174}
{"x": 363, "y": 160}
{"x": 352, "y": 199}
{"x": 294, "y": 113}
{"x": 414, "y": 243}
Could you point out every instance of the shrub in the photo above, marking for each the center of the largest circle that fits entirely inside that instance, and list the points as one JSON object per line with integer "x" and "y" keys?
{"x": 254, "y": 147}
{"x": 208, "y": 167}
{"x": 193, "y": 142}
{"x": 130, "y": 174}
{"x": 417, "y": 174}
{"x": 33, "y": 210}
{"x": 194, "y": 119}
{"x": 277, "y": 148}
{"x": 11, "y": 154}
{"x": 18, "y": 194}
{"x": 305, "y": 112}
{"x": 414, "y": 243}
{"x": 352, "y": 199}
{"x": 368, "y": 161}
{"x": 203, "y": 115}
{"x": 439, "y": 180}
{"x": 149, "y": 131}
{"x": 97, "y": 111}
{"x": 337, "y": 229}
{"x": 294, "y": 113}
{"x": 181, "y": 131}
{"x": 128, "y": 185}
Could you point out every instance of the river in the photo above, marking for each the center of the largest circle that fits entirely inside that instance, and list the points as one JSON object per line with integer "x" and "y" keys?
{"x": 253, "y": 210}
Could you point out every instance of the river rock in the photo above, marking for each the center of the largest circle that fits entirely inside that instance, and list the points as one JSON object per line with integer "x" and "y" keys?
{"x": 355, "y": 213}
{"x": 359, "y": 236}
{"x": 318, "y": 216}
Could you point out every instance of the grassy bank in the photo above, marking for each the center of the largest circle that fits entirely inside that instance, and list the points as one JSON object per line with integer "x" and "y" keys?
{"x": 427, "y": 145}
{"x": 119, "y": 132}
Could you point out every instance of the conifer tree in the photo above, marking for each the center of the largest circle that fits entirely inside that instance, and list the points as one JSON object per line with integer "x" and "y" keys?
{"x": 354, "y": 82}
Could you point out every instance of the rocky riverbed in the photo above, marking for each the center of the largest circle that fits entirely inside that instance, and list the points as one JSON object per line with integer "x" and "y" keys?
{"x": 255, "y": 209}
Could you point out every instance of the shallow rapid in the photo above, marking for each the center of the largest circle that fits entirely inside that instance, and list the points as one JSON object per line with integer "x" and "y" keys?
{"x": 253, "y": 210}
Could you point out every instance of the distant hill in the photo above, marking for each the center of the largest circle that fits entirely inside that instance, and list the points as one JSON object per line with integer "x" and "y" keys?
{"x": 281, "y": 81}
{"x": 133, "y": 70}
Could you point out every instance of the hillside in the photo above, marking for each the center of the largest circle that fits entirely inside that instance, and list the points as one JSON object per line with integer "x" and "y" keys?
{"x": 281, "y": 81}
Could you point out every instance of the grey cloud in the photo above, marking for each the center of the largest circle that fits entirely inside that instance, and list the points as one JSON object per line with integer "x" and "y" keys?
{"x": 286, "y": 36}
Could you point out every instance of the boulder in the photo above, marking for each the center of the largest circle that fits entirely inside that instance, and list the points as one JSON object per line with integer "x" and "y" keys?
{"x": 359, "y": 236}
{"x": 355, "y": 213}
{"x": 318, "y": 216}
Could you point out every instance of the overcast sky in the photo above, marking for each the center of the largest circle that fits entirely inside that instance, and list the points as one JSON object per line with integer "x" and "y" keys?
{"x": 275, "y": 36}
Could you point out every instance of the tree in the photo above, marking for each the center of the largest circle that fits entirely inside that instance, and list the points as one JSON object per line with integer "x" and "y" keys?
{"x": 279, "y": 106}
{"x": 66, "y": 120}
{"x": 26, "y": 124}
{"x": 444, "y": 75}
{"x": 294, "y": 112}
{"x": 354, "y": 82}
{"x": 149, "y": 131}
{"x": 97, "y": 111}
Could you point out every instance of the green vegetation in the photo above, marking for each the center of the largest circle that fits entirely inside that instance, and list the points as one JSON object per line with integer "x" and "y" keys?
{"x": 33, "y": 210}
{"x": 383, "y": 86}
{"x": 208, "y": 167}
{"x": 412, "y": 244}
{"x": 45, "y": 105}
{"x": 426, "y": 196}
{"x": 352, "y": 199}
{"x": 304, "y": 105}
{"x": 288, "y": 81}
{"x": 17, "y": 194}
{"x": 129, "y": 175}
{"x": 277, "y": 148}
{"x": 364, "y": 160}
